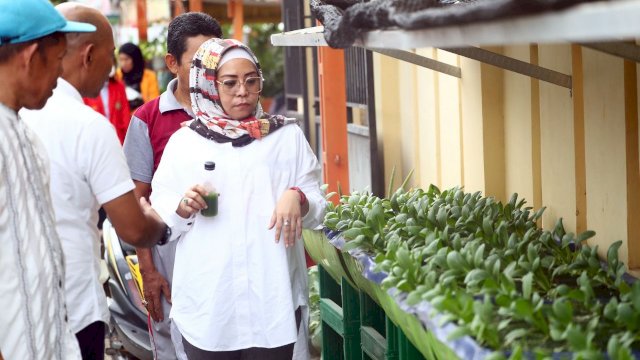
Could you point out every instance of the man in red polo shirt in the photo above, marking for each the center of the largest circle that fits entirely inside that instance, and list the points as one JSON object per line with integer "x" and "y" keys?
{"x": 149, "y": 130}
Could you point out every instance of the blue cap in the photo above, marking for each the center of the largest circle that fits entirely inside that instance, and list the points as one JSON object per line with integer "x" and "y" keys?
{"x": 24, "y": 20}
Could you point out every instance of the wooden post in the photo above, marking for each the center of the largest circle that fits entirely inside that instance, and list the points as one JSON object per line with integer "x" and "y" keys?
{"x": 333, "y": 113}
{"x": 633, "y": 172}
{"x": 141, "y": 8}
{"x": 178, "y": 8}
{"x": 577, "y": 91}
{"x": 195, "y": 5}
{"x": 235, "y": 11}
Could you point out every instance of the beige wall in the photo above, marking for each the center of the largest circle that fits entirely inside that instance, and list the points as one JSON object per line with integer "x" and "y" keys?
{"x": 518, "y": 129}
{"x": 573, "y": 151}
{"x": 604, "y": 122}
{"x": 557, "y": 140}
{"x": 428, "y": 164}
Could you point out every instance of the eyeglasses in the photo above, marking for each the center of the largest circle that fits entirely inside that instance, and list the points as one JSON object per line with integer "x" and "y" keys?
{"x": 252, "y": 84}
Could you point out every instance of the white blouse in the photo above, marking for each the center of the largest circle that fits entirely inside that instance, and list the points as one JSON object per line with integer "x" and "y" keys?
{"x": 233, "y": 286}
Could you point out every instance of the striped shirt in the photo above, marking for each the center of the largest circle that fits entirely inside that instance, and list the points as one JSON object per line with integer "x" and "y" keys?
{"x": 33, "y": 321}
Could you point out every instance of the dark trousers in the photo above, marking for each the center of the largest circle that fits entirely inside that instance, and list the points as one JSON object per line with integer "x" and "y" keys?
{"x": 91, "y": 341}
{"x": 284, "y": 352}
{"x": 102, "y": 216}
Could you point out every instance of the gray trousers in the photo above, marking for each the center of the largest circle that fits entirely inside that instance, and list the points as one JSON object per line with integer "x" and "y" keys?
{"x": 284, "y": 352}
{"x": 166, "y": 341}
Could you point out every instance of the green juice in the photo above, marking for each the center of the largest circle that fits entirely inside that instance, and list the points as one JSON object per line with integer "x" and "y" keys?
{"x": 212, "y": 204}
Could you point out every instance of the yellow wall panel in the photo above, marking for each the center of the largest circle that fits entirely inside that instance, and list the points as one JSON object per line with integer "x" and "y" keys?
{"x": 518, "y": 139}
{"x": 472, "y": 125}
{"x": 387, "y": 90}
{"x": 493, "y": 130}
{"x": 406, "y": 119}
{"x": 500, "y": 132}
{"x": 577, "y": 72}
{"x": 428, "y": 170}
{"x": 536, "y": 154}
{"x": 605, "y": 148}
{"x": 556, "y": 141}
{"x": 450, "y": 129}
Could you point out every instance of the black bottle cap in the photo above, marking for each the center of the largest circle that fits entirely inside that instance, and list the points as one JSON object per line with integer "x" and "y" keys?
{"x": 209, "y": 165}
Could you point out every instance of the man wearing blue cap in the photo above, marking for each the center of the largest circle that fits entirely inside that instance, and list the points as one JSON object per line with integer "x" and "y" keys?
{"x": 33, "y": 321}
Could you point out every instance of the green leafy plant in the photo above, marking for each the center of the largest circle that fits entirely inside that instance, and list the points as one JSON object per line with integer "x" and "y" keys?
{"x": 315, "y": 330}
{"x": 489, "y": 268}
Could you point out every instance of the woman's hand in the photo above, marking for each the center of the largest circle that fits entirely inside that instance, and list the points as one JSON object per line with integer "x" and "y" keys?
{"x": 192, "y": 201}
{"x": 287, "y": 218}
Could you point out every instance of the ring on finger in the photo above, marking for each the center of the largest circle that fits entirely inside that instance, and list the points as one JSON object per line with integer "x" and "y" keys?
{"x": 286, "y": 222}
{"x": 185, "y": 201}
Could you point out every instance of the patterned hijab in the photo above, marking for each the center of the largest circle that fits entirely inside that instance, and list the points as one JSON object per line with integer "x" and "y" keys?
{"x": 212, "y": 122}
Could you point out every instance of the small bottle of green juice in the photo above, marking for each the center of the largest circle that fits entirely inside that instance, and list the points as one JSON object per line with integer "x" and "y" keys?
{"x": 212, "y": 197}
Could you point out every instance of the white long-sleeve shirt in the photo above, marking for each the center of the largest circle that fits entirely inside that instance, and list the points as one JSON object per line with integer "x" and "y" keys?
{"x": 233, "y": 286}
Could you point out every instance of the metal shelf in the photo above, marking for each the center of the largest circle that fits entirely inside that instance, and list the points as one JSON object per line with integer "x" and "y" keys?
{"x": 312, "y": 36}
{"x": 613, "y": 20}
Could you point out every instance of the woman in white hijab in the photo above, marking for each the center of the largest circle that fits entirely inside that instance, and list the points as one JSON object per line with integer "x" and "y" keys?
{"x": 240, "y": 279}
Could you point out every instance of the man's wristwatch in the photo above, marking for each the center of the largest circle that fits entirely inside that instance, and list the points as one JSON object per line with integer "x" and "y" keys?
{"x": 165, "y": 238}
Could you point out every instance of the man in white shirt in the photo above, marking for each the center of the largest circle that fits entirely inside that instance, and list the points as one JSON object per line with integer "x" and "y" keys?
{"x": 33, "y": 322}
{"x": 88, "y": 170}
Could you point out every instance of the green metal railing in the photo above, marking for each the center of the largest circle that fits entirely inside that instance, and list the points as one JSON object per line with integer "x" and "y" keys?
{"x": 354, "y": 326}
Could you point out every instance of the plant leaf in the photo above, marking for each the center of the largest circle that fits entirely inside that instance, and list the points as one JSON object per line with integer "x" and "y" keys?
{"x": 478, "y": 258}
{"x": 527, "y": 285}
{"x": 515, "y": 334}
{"x": 391, "y": 180}
{"x": 351, "y": 233}
{"x": 406, "y": 180}
{"x": 458, "y": 333}
{"x": 563, "y": 311}
{"x": 613, "y": 347}
{"x": 612, "y": 255}
{"x": 455, "y": 260}
{"x": 576, "y": 338}
{"x": 353, "y": 244}
{"x": 585, "y": 236}
{"x": 635, "y": 296}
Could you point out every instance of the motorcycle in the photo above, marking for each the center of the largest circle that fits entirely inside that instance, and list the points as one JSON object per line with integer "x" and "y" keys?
{"x": 129, "y": 318}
